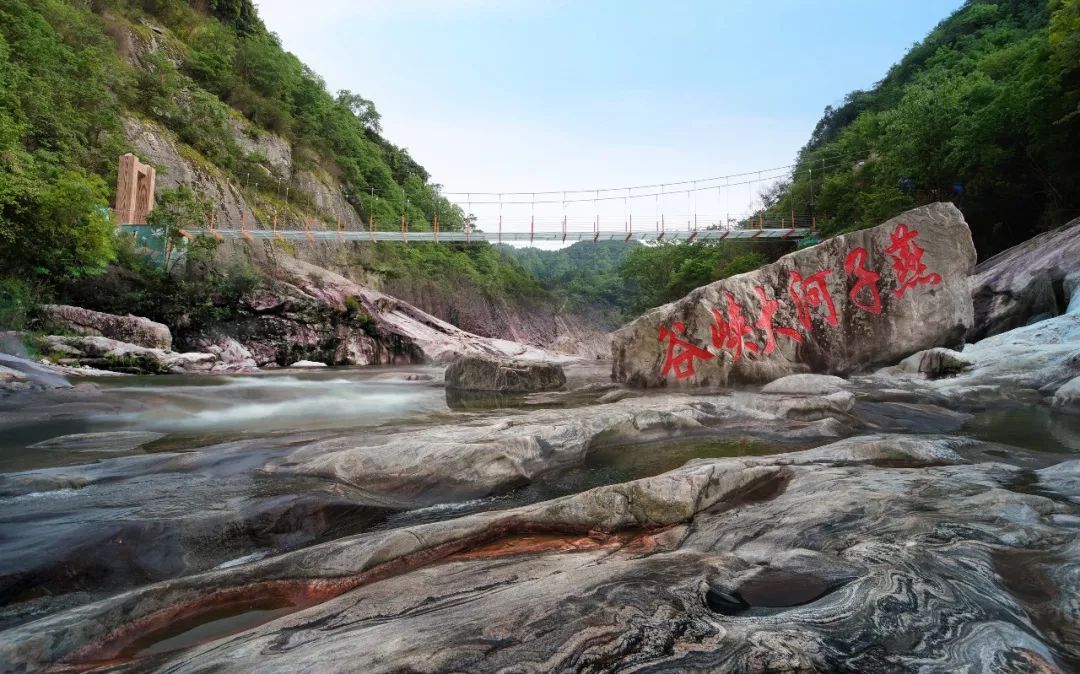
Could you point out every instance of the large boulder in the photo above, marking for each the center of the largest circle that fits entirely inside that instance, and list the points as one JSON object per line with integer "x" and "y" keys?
{"x": 503, "y": 375}
{"x": 1026, "y": 281}
{"x": 129, "y": 329}
{"x": 111, "y": 354}
{"x": 854, "y": 301}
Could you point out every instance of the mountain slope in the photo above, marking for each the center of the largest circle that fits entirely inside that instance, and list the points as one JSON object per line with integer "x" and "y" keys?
{"x": 984, "y": 111}
{"x": 239, "y": 130}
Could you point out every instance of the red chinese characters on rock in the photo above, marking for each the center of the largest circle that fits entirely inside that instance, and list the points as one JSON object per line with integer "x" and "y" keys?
{"x": 855, "y": 264}
{"x": 680, "y": 353}
{"x": 812, "y": 291}
{"x": 765, "y": 322}
{"x": 730, "y": 331}
{"x": 907, "y": 260}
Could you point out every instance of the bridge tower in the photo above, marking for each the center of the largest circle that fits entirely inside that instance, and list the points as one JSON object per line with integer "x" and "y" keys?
{"x": 134, "y": 191}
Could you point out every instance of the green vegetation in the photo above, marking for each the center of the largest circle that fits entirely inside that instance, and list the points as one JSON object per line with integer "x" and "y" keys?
{"x": 985, "y": 111}
{"x": 586, "y": 278}
{"x": 70, "y": 73}
{"x": 667, "y": 271}
{"x": 612, "y": 282}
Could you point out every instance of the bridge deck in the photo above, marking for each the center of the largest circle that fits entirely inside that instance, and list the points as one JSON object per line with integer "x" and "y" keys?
{"x": 496, "y": 237}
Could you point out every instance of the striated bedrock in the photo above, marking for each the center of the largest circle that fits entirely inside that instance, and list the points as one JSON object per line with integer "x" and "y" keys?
{"x": 875, "y": 553}
{"x": 503, "y": 375}
{"x": 130, "y": 329}
{"x": 1027, "y": 282}
{"x": 439, "y": 464}
{"x": 855, "y": 301}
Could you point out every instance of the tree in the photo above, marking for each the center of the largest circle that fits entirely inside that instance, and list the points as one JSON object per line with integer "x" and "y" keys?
{"x": 363, "y": 109}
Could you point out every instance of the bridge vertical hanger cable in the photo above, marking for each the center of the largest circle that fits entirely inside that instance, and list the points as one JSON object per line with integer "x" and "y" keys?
{"x": 695, "y": 204}
{"x": 596, "y": 218}
{"x": 500, "y": 218}
{"x": 656, "y": 210}
{"x": 564, "y": 217}
{"x": 468, "y": 218}
{"x": 532, "y": 219}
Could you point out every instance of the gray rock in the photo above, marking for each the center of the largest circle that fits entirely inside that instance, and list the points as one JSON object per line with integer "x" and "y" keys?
{"x": 807, "y": 384}
{"x": 812, "y": 561}
{"x": 935, "y": 363}
{"x": 1026, "y": 281}
{"x": 852, "y": 302}
{"x": 232, "y": 355}
{"x": 616, "y": 395}
{"x": 131, "y": 329}
{"x": 110, "y": 354}
{"x": 308, "y": 364}
{"x": 112, "y": 441}
{"x": 1022, "y": 364}
{"x": 503, "y": 375}
{"x": 1067, "y": 398}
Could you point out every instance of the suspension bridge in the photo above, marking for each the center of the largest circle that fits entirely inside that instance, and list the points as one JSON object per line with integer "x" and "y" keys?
{"x": 555, "y": 217}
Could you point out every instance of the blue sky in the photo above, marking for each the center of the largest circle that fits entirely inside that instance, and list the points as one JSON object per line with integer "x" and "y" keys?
{"x": 523, "y": 95}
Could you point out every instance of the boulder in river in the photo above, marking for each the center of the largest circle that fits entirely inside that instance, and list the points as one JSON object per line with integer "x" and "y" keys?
{"x": 129, "y": 329}
{"x": 110, "y": 354}
{"x": 503, "y": 375}
{"x": 852, "y": 302}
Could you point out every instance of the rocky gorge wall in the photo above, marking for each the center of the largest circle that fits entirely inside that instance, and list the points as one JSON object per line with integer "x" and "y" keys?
{"x": 858, "y": 300}
{"x": 323, "y": 206}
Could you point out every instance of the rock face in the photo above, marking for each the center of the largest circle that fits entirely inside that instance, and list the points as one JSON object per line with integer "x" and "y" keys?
{"x": 311, "y": 313}
{"x": 1067, "y": 398}
{"x": 502, "y": 375}
{"x": 131, "y": 329}
{"x": 1032, "y": 279}
{"x": 854, "y": 301}
{"x": 110, "y": 354}
{"x": 1025, "y": 364}
{"x": 877, "y": 553}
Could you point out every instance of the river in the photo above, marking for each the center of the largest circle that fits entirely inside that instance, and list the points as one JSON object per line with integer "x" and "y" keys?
{"x": 147, "y": 478}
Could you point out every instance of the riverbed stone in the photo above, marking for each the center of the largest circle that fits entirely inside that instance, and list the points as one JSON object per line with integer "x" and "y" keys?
{"x": 935, "y": 363}
{"x": 503, "y": 375}
{"x": 812, "y": 561}
{"x": 850, "y": 303}
{"x": 110, "y": 354}
{"x": 807, "y": 384}
{"x": 1067, "y": 398}
{"x": 130, "y": 329}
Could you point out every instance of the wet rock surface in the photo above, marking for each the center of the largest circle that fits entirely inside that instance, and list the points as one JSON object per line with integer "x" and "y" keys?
{"x": 878, "y": 553}
{"x": 863, "y": 299}
{"x": 503, "y": 375}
